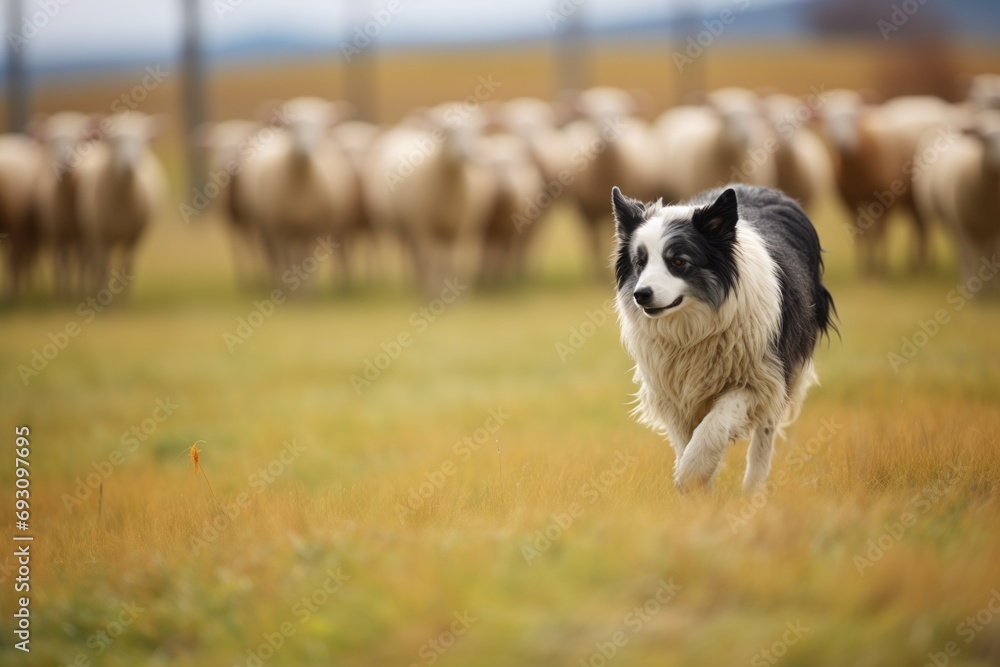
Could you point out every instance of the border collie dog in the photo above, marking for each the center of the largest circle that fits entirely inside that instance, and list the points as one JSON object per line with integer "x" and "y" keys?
{"x": 721, "y": 304}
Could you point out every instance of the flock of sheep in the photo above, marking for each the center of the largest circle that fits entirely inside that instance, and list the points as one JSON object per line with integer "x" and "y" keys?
{"x": 462, "y": 187}
{"x": 83, "y": 188}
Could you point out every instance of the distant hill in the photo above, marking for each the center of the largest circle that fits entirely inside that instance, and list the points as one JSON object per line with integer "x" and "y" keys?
{"x": 967, "y": 21}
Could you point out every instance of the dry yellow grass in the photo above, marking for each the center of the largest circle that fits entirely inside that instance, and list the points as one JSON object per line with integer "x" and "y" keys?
{"x": 354, "y": 528}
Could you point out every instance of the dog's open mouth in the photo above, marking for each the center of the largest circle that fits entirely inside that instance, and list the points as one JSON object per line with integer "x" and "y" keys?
{"x": 653, "y": 312}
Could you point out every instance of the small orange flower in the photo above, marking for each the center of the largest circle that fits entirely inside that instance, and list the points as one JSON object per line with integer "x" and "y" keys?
{"x": 194, "y": 455}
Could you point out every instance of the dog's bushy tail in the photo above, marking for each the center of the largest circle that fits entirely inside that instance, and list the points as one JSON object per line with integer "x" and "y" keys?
{"x": 826, "y": 311}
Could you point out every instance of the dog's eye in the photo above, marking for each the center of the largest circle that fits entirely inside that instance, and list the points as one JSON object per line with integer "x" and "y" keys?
{"x": 677, "y": 261}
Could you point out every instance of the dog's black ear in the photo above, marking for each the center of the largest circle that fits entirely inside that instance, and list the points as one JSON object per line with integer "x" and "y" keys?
{"x": 629, "y": 213}
{"x": 718, "y": 221}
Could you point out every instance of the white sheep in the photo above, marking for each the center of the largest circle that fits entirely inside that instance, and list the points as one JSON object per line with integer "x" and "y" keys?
{"x": 120, "y": 188}
{"x": 802, "y": 161}
{"x": 984, "y": 91}
{"x": 538, "y": 123}
{"x": 20, "y": 163}
{"x": 66, "y": 137}
{"x": 300, "y": 186}
{"x": 511, "y": 225}
{"x": 724, "y": 140}
{"x": 873, "y": 147}
{"x": 231, "y": 145}
{"x": 356, "y": 138}
{"x": 424, "y": 181}
{"x": 960, "y": 184}
{"x": 610, "y": 146}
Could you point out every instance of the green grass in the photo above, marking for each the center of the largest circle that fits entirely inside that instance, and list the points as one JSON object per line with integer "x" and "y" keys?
{"x": 873, "y": 448}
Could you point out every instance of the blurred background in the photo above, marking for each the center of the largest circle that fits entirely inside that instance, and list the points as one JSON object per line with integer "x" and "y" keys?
{"x": 191, "y": 66}
{"x": 80, "y": 54}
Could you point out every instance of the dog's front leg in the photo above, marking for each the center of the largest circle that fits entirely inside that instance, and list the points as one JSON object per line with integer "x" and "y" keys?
{"x": 701, "y": 458}
{"x": 759, "y": 457}
{"x": 679, "y": 439}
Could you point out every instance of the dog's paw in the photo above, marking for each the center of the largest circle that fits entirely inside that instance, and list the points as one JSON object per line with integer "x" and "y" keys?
{"x": 692, "y": 474}
{"x": 752, "y": 486}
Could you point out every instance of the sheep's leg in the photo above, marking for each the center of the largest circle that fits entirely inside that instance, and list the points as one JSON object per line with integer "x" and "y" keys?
{"x": 343, "y": 243}
{"x": 79, "y": 266}
{"x": 239, "y": 245}
{"x": 82, "y": 254}
{"x": 985, "y": 253}
{"x": 128, "y": 261}
{"x": 303, "y": 250}
{"x": 489, "y": 272}
{"x": 877, "y": 261}
{"x": 866, "y": 239}
{"x": 856, "y": 234}
{"x": 510, "y": 260}
{"x": 126, "y": 270}
{"x": 966, "y": 257}
{"x": 420, "y": 252}
{"x": 702, "y": 457}
{"x": 274, "y": 249}
{"x": 376, "y": 248}
{"x": 99, "y": 268}
{"x": 519, "y": 255}
{"x": 297, "y": 251}
{"x": 262, "y": 257}
{"x": 282, "y": 253}
{"x": 872, "y": 240}
{"x": 20, "y": 264}
{"x": 10, "y": 284}
{"x": 423, "y": 274}
{"x": 448, "y": 250}
{"x": 258, "y": 259}
{"x": 993, "y": 252}
{"x": 440, "y": 262}
{"x": 597, "y": 249}
{"x": 60, "y": 269}
{"x": 921, "y": 240}
{"x": 865, "y": 255}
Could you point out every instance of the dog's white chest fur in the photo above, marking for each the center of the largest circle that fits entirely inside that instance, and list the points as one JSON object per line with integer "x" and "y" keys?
{"x": 684, "y": 363}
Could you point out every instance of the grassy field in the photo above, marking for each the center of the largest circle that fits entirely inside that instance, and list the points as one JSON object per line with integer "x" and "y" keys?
{"x": 486, "y": 499}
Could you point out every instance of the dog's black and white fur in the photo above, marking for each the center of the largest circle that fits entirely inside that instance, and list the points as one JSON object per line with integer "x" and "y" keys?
{"x": 721, "y": 304}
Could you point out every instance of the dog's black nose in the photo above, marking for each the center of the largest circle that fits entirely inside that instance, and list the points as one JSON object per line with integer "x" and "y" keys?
{"x": 643, "y": 296}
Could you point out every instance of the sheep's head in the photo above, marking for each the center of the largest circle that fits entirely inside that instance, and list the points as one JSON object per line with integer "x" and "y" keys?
{"x": 527, "y": 116}
{"x": 128, "y": 135}
{"x": 306, "y": 120}
{"x": 738, "y": 126}
{"x": 984, "y": 91}
{"x": 841, "y": 118}
{"x": 61, "y": 134}
{"x": 740, "y": 111}
{"x": 461, "y": 123}
{"x": 786, "y": 114}
{"x": 988, "y": 130}
{"x": 603, "y": 105}
{"x": 224, "y": 139}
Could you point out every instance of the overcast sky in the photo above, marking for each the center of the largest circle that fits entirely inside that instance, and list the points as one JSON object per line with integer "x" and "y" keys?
{"x": 113, "y": 29}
